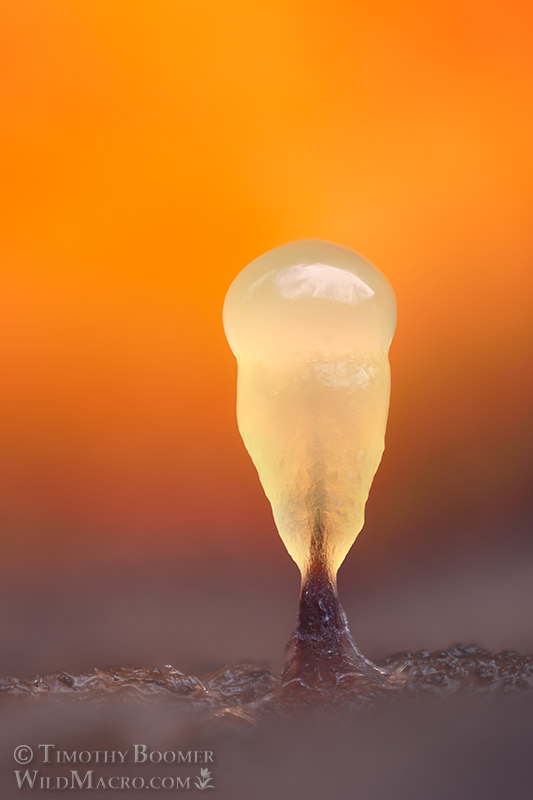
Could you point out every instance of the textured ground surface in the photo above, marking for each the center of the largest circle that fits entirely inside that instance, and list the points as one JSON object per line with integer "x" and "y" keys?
{"x": 463, "y": 668}
{"x": 457, "y": 723}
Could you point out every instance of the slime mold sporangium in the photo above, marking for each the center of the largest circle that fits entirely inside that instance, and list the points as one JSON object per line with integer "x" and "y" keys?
{"x": 310, "y": 324}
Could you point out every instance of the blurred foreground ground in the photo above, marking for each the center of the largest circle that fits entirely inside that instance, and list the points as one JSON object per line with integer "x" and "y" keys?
{"x": 431, "y": 748}
{"x": 198, "y": 619}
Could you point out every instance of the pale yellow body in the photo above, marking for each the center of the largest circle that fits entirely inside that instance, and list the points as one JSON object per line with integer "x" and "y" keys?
{"x": 310, "y": 324}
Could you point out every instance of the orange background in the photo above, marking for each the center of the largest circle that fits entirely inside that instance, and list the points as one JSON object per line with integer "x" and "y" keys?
{"x": 150, "y": 150}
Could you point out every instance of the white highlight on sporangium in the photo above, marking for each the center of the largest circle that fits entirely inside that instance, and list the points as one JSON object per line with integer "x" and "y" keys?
{"x": 310, "y": 324}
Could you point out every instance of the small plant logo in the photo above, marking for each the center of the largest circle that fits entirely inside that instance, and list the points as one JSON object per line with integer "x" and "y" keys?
{"x": 203, "y": 781}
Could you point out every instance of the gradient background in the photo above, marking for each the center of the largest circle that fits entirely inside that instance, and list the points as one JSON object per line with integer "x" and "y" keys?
{"x": 150, "y": 150}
